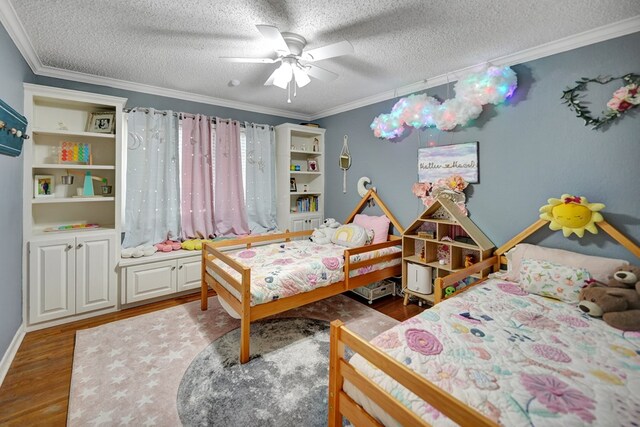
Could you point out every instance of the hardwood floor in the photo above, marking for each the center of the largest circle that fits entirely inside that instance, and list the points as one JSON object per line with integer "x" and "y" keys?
{"x": 36, "y": 388}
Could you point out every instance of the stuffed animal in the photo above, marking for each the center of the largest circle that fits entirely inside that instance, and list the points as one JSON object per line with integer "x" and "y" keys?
{"x": 330, "y": 223}
{"x": 626, "y": 277}
{"x": 619, "y": 308}
{"x": 320, "y": 236}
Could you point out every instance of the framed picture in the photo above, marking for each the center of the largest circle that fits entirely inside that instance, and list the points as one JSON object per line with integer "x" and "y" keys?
{"x": 43, "y": 186}
{"x": 101, "y": 122}
{"x": 292, "y": 185}
{"x": 312, "y": 165}
{"x": 435, "y": 163}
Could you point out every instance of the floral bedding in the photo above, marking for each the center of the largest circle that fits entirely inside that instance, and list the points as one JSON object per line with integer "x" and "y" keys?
{"x": 281, "y": 270}
{"x": 520, "y": 359}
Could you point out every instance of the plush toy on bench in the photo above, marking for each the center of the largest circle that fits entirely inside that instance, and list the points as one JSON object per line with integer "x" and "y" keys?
{"x": 324, "y": 234}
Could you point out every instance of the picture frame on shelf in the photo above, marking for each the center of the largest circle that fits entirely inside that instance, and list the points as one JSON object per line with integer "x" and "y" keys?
{"x": 101, "y": 122}
{"x": 292, "y": 185}
{"x": 43, "y": 186}
{"x": 312, "y": 165}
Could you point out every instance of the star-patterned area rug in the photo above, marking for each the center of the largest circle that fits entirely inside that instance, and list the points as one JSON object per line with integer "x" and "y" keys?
{"x": 179, "y": 366}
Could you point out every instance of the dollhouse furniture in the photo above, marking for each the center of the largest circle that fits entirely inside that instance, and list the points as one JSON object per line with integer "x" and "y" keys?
{"x": 241, "y": 287}
{"x": 546, "y": 350}
{"x": 432, "y": 248}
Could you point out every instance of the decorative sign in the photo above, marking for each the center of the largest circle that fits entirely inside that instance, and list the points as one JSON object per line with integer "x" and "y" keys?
{"x": 12, "y": 130}
{"x": 436, "y": 163}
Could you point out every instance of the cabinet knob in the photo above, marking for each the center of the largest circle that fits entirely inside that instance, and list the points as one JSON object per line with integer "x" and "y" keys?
{"x": 173, "y": 268}
{"x": 180, "y": 268}
{"x": 80, "y": 245}
{"x": 69, "y": 247}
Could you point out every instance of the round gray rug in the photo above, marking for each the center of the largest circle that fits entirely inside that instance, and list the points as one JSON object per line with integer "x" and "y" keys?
{"x": 284, "y": 384}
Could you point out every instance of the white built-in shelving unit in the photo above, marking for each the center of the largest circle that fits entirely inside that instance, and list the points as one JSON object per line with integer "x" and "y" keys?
{"x": 70, "y": 273}
{"x": 297, "y": 145}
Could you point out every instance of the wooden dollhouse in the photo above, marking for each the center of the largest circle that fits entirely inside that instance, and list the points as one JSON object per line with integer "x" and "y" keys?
{"x": 442, "y": 240}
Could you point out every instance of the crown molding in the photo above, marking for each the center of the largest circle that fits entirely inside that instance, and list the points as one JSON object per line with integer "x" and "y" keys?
{"x": 16, "y": 30}
{"x": 596, "y": 35}
{"x": 13, "y": 25}
{"x": 160, "y": 91}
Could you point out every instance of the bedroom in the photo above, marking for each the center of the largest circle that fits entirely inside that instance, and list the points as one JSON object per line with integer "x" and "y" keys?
{"x": 530, "y": 148}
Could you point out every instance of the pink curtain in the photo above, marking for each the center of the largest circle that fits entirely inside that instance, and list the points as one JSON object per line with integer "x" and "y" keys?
{"x": 197, "y": 180}
{"x": 231, "y": 215}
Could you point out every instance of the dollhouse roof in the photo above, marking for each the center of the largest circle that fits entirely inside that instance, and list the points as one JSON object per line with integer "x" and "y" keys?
{"x": 446, "y": 210}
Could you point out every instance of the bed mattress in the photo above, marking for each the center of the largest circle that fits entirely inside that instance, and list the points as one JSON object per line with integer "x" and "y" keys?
{"x": 520, "y": 359}
{"x": 281, "y": 270}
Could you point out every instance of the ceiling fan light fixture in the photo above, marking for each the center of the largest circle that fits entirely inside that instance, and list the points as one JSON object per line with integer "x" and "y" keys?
{"x": 300, "y": 75}
{"x": 283, "y": 75}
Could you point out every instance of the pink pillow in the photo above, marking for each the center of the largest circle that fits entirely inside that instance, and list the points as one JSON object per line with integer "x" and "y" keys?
{"x": 379, "y": 225}
{"x": 599, "y": 268}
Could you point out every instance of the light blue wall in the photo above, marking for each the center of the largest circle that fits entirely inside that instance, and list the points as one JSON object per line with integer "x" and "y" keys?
{"x": 531, "y": 148}
{"x": 13, "y": 71}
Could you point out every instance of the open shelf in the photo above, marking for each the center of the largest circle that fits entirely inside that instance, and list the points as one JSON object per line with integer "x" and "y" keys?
{"x": 308, "y": 153}
{"x": 75, "y": 134}
{"x": 41, "y": 200}
{"x": 305, "y": 193}
{"x": 304, "y": 173}
{"x": 72, "y": 166}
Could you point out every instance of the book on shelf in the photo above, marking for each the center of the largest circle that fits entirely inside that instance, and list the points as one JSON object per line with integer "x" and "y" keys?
{"x": 307, "y": 204}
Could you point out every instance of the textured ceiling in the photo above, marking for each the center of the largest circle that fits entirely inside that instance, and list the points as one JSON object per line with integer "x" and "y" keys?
{"x": 176, "y": 44}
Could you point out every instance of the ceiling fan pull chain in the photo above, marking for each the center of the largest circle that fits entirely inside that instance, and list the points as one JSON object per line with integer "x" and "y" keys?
{"x": 289, "y": 93}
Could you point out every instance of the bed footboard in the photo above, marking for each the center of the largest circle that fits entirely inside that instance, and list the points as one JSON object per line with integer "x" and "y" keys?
{"x": 340, "y": 404}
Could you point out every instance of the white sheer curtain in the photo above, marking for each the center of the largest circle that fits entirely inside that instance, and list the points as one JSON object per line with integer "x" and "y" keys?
{"x": 260, "y": 177}
{"x": 152, "y": 210}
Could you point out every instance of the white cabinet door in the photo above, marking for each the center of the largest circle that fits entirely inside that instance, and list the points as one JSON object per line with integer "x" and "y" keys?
{"x": 314, "y": 222}
{"x": 189, "y": 273}
{"x": 52, "y": 285}
{"x": 298, "y": 225}
{"x": 95, "y": 273}
{"x": 151, "y": 280}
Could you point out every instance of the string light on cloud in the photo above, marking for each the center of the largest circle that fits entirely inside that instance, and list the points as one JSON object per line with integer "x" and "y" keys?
{"x": 492, "y": 85}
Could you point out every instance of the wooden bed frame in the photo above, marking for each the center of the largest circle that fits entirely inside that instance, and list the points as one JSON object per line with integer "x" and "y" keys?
{"x": 340, "y": 404}
{"x": 248, "y": 314}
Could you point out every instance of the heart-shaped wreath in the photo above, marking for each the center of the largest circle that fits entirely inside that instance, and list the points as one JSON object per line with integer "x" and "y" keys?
{"x": 624, "y": 99}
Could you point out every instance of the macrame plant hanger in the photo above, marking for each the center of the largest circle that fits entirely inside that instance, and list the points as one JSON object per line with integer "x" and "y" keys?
{"x": 345, "y": 163}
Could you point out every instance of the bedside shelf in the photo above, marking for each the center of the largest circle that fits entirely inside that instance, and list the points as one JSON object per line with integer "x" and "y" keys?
{"x": 450, "y": 223}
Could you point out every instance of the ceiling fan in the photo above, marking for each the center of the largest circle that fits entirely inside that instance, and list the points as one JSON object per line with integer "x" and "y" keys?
{"x": 296, "y": 63}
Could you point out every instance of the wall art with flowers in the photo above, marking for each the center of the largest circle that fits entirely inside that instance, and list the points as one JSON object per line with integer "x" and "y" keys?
{"x": 623, "y": 99}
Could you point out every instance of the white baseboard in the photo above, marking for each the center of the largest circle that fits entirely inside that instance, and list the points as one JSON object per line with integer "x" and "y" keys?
{"x": 11, "y": 352}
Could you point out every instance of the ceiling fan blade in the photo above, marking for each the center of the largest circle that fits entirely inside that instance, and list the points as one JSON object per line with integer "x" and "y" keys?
{"x": 249, "y": 60}
{"x": 329, "y": 51}
{"x": 273, "y": 36}
{"x": 320, "y": 73}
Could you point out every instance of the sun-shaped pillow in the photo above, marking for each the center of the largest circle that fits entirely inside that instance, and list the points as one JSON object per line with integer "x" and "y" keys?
{"x": 572, "y": 214}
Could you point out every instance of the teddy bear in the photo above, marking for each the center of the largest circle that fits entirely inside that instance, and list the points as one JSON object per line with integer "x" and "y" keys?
{"x": 618, "y": 307}
{"x": 330, "y": 223}
{"x": 320, "y": 237}
{"x": 627, "y": 276}
{"x": 324, "y": 233}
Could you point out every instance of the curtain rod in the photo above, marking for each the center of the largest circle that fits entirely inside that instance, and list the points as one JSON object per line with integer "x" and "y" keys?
{"x": 191, "y": 116}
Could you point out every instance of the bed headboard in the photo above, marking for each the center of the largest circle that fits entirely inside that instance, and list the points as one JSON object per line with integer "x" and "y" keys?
{"x": 372, "y": 195}
{"x": 604, "y": 225}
